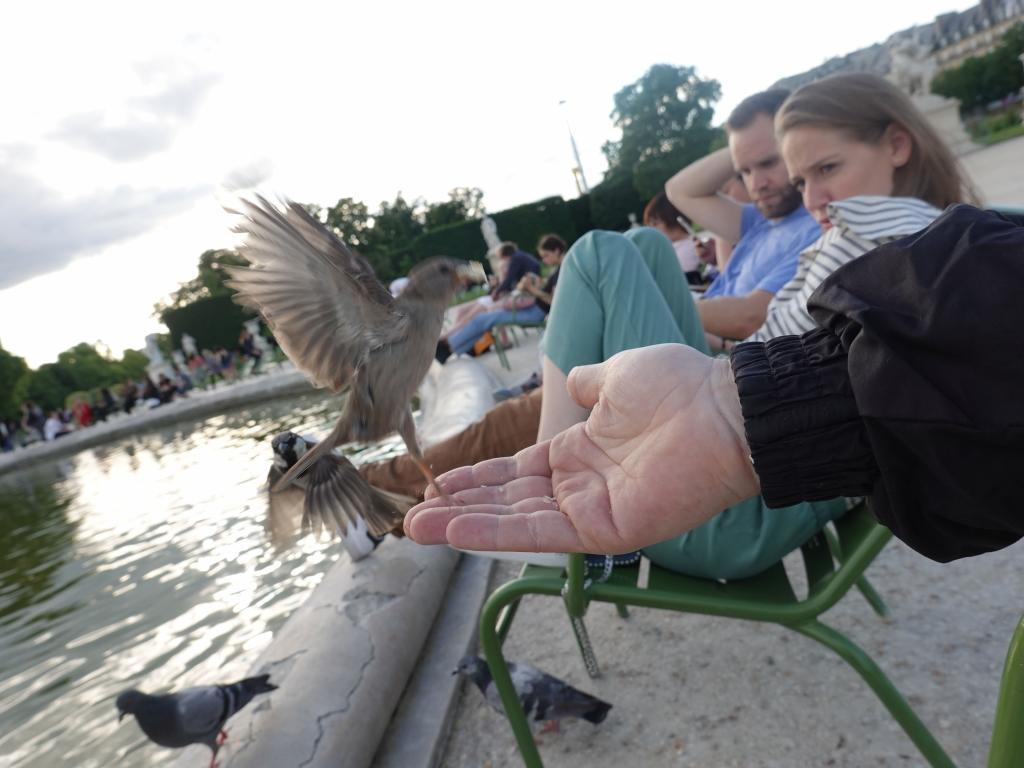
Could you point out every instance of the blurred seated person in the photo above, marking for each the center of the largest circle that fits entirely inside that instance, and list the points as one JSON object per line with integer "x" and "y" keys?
{"x": 54, "y": 427}
{"x": 82, "y": 412}
{"x": 247, "y": 343}
{"x": 129, "y": 395}
{"x": 516, "y": 265}
{"x": 667, "y": 219}
{"x": 552, "y": 249}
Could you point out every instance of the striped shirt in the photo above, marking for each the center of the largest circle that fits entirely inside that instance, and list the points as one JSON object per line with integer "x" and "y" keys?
{"x": 859, "y": 225}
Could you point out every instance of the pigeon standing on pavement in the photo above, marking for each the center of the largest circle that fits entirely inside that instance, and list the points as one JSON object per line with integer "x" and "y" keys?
{"x": 193, "y": 716}
{"x": 542, "y": 696}
{"x": 331, "y": 493}
{"x": 339, "y": 324}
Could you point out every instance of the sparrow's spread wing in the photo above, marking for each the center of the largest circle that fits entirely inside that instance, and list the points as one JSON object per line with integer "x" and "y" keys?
{"x": 325, "y": 305}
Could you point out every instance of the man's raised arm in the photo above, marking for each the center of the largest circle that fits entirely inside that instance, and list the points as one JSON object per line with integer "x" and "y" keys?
{"x": 694, "y": 191}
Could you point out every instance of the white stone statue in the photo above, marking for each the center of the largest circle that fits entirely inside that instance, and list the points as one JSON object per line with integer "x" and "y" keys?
{"x": 188, "y": 345}
{"x": 157, "y": 363}
{"x": 156, "y": 357}
{"x": 913, "y": 67}
{"x": 490, "y": 233}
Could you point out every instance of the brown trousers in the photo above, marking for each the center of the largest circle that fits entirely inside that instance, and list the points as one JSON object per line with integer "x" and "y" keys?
{"x": 503, "y": 431}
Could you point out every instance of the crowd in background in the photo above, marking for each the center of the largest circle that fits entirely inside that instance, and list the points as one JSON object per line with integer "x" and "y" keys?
{"x": 203, "y": 370}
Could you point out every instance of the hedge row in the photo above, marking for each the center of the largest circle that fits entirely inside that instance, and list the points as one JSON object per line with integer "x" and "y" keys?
{"x": 607, "y": 207}
{"x": 213, "y": 322}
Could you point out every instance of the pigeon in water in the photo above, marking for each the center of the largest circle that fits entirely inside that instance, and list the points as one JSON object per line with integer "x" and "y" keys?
{"x": 331, "y": 493}
{"x": 340, "y": 325}
{"x": 544, "y": 697}
{"x": 193, "y": 716}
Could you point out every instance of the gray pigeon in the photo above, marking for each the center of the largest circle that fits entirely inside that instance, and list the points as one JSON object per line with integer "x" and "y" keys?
{"x": 544, "y": 697}
{"x": 331, "y": 492}
{"x": 193, "y": 716}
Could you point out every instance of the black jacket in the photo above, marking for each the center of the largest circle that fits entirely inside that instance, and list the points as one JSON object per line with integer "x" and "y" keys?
{"x": 912, "y": 391}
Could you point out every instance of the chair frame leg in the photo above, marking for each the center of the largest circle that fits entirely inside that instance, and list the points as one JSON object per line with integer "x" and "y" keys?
{"x": 883, "y": 688}
{"x": 866, "y": 589}
{"x": 491, "y": 646}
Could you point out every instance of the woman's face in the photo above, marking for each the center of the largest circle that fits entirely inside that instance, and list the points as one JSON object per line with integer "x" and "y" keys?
{"x": 826, "y": 164}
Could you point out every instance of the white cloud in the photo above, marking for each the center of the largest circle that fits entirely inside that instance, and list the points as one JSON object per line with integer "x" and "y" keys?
{"x": 113, "y": 131}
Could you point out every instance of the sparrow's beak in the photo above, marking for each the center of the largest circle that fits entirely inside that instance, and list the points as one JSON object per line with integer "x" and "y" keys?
{"x": 120, "y": 715}
{"x": 472, "y": 272}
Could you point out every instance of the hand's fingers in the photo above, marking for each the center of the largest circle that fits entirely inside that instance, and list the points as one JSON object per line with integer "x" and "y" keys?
{"x": 529, "y": 461}
{"x": 512, "y": 492}
{"x": 428, "y": 525}
{"x": 541, "y": 531}
{"x": 584, "y": 383}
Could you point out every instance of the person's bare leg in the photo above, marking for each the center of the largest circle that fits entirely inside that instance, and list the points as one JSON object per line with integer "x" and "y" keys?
{"x": 558, "y": 411}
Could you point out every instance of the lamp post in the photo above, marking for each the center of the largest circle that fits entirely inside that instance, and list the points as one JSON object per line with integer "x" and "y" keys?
{"x": 577, "y": 172}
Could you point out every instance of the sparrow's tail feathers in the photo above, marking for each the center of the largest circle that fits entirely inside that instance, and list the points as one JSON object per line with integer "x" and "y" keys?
{"x": 386, "y": 512}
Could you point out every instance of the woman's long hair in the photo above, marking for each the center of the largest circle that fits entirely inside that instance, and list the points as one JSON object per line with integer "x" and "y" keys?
{"x": 864, "y": 106}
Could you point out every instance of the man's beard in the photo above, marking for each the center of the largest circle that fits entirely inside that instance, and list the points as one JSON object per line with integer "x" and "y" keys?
{"x": 787, "y": 201}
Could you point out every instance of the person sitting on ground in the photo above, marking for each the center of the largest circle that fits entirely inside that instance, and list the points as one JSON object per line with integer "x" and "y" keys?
{"x": 53, "y": 427}
{"x": 899, "y": 393}
{"x": 552, "y": 249}
{"x": 666, "y": 218}
{"x": 129, "y": 395}
{"x": 768, "y": 234}
{"x": 851, "y": 142}
{"x": 249, "y": 350}
{"x": 82, "y": 412}
{"x": 517, "y": 265}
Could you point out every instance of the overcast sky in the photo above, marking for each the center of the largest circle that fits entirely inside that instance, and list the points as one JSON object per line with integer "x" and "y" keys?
{"x": 126, "y": 126}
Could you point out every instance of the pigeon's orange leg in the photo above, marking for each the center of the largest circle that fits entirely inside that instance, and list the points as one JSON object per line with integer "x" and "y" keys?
{"x": 222, "y": 736}
{"x": 551, "y": 726}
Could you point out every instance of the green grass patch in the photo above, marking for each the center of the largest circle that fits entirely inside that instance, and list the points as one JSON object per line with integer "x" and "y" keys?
{"x": 1010, "y": 132}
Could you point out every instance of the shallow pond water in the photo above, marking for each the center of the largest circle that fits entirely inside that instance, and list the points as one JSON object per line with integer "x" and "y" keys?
{"x": 143, "y": 563}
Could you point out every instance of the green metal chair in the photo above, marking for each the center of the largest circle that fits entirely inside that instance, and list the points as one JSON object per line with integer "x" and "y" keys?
{"x": 500, "y": 348}
{"x": 833, "y": 562}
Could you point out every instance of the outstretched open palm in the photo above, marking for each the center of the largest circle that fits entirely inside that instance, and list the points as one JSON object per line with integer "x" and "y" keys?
{"x": 661, "y": 452}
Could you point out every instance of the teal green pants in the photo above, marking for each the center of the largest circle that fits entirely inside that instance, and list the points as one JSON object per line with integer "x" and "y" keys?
{"x": 618, "y": 292}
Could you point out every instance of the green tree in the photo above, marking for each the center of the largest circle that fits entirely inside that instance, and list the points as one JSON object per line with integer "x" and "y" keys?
{"x": 349, "y": 220}
{"x": 463, "y": 204}
{"x": 394, "y": 225}
{"x": 46, "y": 387}
{"x": 207, "y": 283}
{"x": 983, "y": 79}
{"x": 134, "y": 363}
{"x": 665, "y": 119}
{"x": 13, "y": 383}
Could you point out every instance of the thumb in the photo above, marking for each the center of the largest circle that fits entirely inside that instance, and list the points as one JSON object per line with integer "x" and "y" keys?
{"x": 585, "y": 383}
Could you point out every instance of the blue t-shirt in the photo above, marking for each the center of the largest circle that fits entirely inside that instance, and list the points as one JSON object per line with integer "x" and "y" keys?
{"x": 766, "y": 256}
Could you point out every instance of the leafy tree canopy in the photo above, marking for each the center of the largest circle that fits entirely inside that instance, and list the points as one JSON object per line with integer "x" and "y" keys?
{"x": 208, "y": 282}
{"x": 13, "y": 382}
{"x": 984, "y": 79}
{"x": 665, "y": 119}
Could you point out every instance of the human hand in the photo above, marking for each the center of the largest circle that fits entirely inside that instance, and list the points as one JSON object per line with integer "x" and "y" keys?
{"x": 662, "y": 451}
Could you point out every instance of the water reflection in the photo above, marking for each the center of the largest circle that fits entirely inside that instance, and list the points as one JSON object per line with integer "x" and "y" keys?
{"x": 144, "y": 564}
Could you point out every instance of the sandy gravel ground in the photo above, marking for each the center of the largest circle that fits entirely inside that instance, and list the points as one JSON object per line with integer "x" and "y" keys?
{"x": 705, "y": 692}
